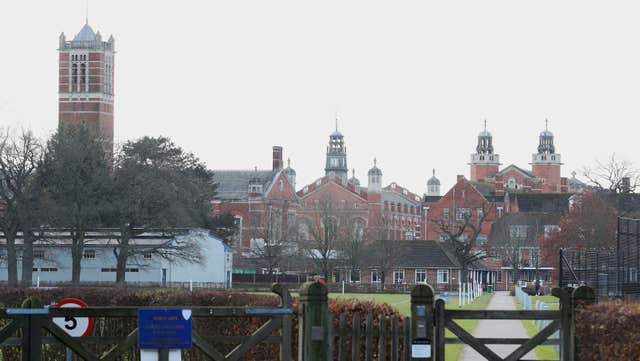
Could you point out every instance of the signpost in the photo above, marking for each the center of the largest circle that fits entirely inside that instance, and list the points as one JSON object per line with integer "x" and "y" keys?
{"x": 162, "y": 333}
{"x": 73, "y": 326}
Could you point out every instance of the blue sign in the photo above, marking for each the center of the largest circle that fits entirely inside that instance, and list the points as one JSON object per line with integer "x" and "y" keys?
{"x": 164, "y": 328}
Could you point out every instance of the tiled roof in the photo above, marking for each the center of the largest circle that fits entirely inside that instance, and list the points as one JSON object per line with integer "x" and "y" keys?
{"x": 234, "y": 184}
{"x": 541, "y": 202}
{"x": 423, "y": 254}
{"x": 523, "y": 171}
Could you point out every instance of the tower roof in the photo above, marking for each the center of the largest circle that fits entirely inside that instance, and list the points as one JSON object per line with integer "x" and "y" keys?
{"x": 433, "y": 181}
{"x": 485, "y": 141}
{"x": 375, "y": 170}
{"x": 353, "y": 180}
{"x": 546, "y": 140}
{"x": 289, "y": 170}
{"x": 86, "y": 34}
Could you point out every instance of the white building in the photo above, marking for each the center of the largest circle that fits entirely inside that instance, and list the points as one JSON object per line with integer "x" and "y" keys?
{"x": 52, "y": 259}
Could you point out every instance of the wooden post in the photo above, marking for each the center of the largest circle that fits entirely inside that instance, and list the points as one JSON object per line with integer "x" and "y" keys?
{"x": 566, "y": 338}
{"x": 581, "y": 297}
{"x": 285, "y": 332}
{"x": 422, "y": 323}
{"x": 439, "y": 342}
{"x": 312, "y": 329}
{"x": 32, "y": 331}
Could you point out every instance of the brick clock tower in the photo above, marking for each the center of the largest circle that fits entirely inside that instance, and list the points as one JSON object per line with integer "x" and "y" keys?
{"x": 85, "y": 89}
{"x": 484, "y": 163}
{"x": 546, "y": 163}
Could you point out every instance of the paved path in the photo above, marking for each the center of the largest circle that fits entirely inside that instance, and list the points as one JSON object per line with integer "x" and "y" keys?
{"x": 498, "y": 328}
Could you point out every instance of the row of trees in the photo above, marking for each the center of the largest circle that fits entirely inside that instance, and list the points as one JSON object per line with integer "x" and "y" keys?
{"x": 69, "y": 182}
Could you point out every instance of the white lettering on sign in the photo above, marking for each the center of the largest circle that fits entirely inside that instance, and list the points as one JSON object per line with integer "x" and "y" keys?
{"x": 420, "y": 351}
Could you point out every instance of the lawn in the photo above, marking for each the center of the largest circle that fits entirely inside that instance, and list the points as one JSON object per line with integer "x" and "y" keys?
{"x": 542, "y": 352}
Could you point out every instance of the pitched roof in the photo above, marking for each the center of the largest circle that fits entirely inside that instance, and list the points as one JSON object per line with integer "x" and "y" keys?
{"x": 234, "y": 184}
{"x": 541, "y": 202}
{"x": 523, "y": 171}
{"x": 424, "y": 254}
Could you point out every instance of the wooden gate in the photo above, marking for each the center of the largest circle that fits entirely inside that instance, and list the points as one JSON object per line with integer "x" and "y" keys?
{"x": 35, "y": 328}
{"x": 562, "y": 320}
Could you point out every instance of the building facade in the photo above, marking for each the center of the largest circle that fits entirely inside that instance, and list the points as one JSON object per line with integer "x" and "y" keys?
{"x": 86, "y": 83}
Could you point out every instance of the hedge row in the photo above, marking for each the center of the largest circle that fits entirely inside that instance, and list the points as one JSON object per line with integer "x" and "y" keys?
{"x": 207, "y": 327}
{"x": 608, "y": 332}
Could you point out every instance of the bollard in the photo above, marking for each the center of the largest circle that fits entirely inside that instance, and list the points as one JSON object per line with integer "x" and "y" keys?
{"x": 422, "y": 323}
{"x": 313, "y": 322}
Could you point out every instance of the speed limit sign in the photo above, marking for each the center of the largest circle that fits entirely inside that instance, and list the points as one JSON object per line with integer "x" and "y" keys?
{"x": 74, "y": 326}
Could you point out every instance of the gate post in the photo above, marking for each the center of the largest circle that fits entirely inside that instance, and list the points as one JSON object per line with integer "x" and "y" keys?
{"x": 566, "y": 339}
{"x": 312, "y": 322}
{"x": 581, "y": 297}
{"x": 422, "y": 323}
{"x": 285, "y": 332}
{"x": 31, "y": 331}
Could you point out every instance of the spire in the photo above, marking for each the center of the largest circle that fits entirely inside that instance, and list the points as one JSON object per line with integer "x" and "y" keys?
{"x": 86, "y": 18}
{"x": 485, "y": 124}
{"x": 375, "y": 162}
{"x": 353, "y": 172}
{"x": 336, "y": 121}
{"x": 546, "y": 124}
{"x": 288, "y": 162}
{"x": 434, "y": 172}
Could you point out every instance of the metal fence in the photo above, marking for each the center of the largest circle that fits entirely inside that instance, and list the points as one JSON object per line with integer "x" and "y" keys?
{"x": 610, "y": 272}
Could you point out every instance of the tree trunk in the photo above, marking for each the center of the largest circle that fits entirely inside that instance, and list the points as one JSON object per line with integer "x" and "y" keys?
{"x": 12, "y": 260}
{"x": 121, "y": 259}
{"x": 27, "y": 259}
{"x": 464, "y": 273}
{"x": 76, "y": 256}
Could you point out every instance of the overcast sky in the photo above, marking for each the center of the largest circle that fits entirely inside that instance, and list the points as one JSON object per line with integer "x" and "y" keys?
{"x": 411, "y": 81}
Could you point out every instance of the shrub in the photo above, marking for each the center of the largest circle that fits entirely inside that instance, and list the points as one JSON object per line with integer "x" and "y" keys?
{"x": 608, "y": 332}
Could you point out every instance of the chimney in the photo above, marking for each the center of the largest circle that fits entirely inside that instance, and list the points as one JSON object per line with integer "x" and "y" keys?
{"x": 625, "y": 185}
{"x": 277, "y": 157}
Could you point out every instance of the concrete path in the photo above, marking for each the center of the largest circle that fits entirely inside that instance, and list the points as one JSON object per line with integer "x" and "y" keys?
{"x": 498, "y": 328}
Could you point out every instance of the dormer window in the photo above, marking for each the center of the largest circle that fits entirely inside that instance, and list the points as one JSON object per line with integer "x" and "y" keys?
{"x": 255, "y": 188}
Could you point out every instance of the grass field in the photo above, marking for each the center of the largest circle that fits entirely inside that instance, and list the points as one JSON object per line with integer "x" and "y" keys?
{"x": 542, "y": 352}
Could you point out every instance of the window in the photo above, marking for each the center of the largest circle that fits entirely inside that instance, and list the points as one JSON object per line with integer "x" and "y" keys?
{"x": 255, "y": 188}
{"x": 375, "y": 276}
{"x": 518, "y": 231}
{"x": 147, "y": 255}
{"x": 50, "y": 269}
{"x": 633, "y": 275}
{"x": 443, "y": 276}
{"x": 281, "y": 185}
{"x": 445, "y": 214}
{"x": 479, "y": 212}
{"x": 354, "y": 276}
{"x": 113, "y": 270}
{"x": 421, "y": 276}
{"x": 482, "y": 240}
{"x": 89, "y": 254}
{"x": 462, "y": 214}
{"x": 38, "y": 253}
{"x": 398, "y": 277}
{"x": 499, "y": 276}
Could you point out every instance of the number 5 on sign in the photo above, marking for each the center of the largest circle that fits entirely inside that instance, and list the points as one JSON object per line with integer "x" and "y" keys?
{"x": 74, "y": 326}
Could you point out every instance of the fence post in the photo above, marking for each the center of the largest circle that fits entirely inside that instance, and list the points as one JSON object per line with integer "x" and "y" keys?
{"x": 580, "y": 297}
{"x": 422, "y": 323}
{"x": 285, "y": 332}
{"x": 32, "y": 331}
{"x": 566, "y": 338}
{"x": 312, "y": 326}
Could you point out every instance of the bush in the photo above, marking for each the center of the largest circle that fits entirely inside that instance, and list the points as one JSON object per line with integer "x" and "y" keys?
{"x": 206, "y": 327}
{"x": 608, "y": 332}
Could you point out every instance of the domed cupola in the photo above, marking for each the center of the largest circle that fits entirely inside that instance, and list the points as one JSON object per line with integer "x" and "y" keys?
{"x": 375, "y": 177}
{"x": 485, "y": 141}
{"x": 433, "y": 185}
{"x": 354, "y": 181}
{"x": 546, "y": 141}
{"x": 290, "y": 173}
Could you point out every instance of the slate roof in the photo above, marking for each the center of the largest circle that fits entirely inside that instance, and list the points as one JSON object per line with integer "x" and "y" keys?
{"x": 541, "y": 202}
{"x": 523, "y": 171}
{"x": 234, "y": 184}
{"x": 85, "y": 34}
{"x": 424, "y": 254}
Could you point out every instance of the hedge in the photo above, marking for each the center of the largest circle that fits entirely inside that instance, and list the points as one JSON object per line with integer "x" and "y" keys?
{"x": 608, "y": 332}
{"x": 206, "y": 327}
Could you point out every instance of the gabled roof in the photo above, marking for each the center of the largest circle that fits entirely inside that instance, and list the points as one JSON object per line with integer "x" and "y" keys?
{"x": 86, "y": 34}
{"x": 234, "y": 184}
{"x": 518, "y": 169}
{"x": 423, "y": 254}
{"x": 541, "y": 202}
{"x": 396, "y": 193}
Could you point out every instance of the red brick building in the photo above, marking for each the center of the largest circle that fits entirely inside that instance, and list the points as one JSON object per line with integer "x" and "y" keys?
{"x": 85, "y": 86}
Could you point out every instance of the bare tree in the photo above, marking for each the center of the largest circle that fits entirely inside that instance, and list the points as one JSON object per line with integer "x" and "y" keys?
{"x": 273, "y": 234}
{"x": 351, "y": 243}
{"x": 20, "y": 156}
{"x": 614, "y": 175}
{"x": 319, "y": 235}
{"x": 461, "y": 235}
{"x": 381, "y": 254}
